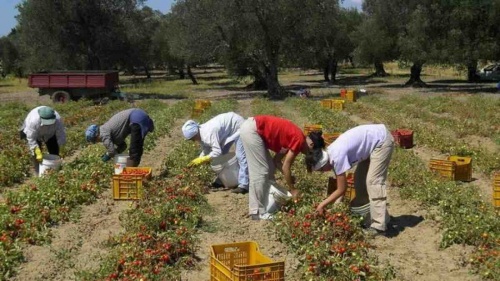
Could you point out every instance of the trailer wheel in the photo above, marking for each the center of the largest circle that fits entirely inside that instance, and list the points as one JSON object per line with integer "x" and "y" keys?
{"x": 61, "y": 97}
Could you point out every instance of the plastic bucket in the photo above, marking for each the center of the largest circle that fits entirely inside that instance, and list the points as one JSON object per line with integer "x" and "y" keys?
{"x": 120, "y": 163}
{"x": 227, "y": 168}
{"x": 277, "y": 196}
{"x": 50, "y": 161}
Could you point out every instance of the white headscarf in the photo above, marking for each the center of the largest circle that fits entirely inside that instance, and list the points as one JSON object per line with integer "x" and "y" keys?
{"x": 190, "y": 129}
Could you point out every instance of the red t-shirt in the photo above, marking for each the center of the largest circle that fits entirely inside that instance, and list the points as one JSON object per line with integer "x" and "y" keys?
{"x": 279, "y": 134}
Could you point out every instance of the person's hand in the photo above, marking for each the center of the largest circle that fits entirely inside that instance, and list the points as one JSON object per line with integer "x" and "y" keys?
{"x": 295, "y": 193}
{"x": 105, "y": 157}
{"x": 320, "y": 209}
{"x": 38, "y": 154}
{"x": 199, "y": 161}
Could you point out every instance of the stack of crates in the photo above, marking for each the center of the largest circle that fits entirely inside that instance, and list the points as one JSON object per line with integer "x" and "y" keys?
{"x": 350, "y": 192}
{"x": 199, "y": 107}
{"x": 242, "y": 261}
{"x": 330, "y": 137}
{"x": 312, "y": 128}
{"x": 496, "y": 190}
{"x": 337, "y": 105}
{"x": 403, "y": 137}
{"x": 129, "y": 184}
{"x": 453, "y": 168}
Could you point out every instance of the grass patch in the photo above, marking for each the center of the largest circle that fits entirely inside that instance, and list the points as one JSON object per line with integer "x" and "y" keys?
{"x": 12, "y": 85}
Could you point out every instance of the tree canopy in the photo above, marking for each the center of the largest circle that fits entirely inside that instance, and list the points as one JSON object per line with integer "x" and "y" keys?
{"x": 251, "y": 37}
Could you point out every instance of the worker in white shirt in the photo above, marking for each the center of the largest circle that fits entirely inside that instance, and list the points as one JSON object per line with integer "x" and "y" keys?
{"x": 216, "y": 136}
{"x": 43, "y": 125}
{"x": 370, "y": 148}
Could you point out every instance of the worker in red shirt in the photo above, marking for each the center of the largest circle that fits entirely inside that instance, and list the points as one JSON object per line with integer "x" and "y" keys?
{"x": 260, "y": 134}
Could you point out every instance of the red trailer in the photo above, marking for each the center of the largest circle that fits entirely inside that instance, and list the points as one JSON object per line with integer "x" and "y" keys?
{"x": 63, "y": 86}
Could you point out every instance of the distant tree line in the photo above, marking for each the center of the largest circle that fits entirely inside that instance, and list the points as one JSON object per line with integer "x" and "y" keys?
{"x": 251, "y": 37}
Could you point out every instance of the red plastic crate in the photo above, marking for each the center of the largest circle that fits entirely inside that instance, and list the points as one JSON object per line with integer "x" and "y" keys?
{"x": 403, "y": 137}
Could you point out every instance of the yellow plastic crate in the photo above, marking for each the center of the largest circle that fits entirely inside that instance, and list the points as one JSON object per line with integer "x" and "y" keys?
{"x": 146, "y": 172}
{"x": 444, "y": 168}
{"x": 326, "y": 104}
{"x": 453, "y": 168}
{"x": 202, "y": 104}
{"x": 463, "y": 171}
{"x": 127, "y": 187}
{"x": 338, "y": 105}
{"x": 496, "y": 190}
{"x": 350, "y": 192}
{"x": 330, "y": 137}
{"x": 196, "y": 112}
{"x": 242, "y": 261}
{"x": 312, "y": 128}
{"x": 350, "y": 95}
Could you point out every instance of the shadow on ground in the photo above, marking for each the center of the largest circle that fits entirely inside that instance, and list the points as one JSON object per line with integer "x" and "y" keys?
{"x": 400, "y": 223}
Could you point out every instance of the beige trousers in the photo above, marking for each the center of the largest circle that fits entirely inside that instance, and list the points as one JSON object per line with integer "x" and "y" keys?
{"x": 261, "y": 167}
{"x": 370, "y": 183}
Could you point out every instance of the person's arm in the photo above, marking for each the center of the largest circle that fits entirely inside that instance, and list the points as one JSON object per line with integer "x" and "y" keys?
{"x": 341, "y": 188}
{"x": 107, "y": 142}
{"x": 287, "y": 171}
{"x": 277, "y": 160}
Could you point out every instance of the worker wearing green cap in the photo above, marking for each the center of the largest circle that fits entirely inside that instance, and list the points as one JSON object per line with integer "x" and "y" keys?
{"x": 43, "y": 125}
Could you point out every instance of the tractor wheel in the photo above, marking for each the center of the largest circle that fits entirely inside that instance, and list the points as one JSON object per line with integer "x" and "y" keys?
{"x": 61, "y": 97}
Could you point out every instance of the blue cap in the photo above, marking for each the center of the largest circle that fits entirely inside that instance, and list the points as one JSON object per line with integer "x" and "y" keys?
{"x": 91, "y": 133}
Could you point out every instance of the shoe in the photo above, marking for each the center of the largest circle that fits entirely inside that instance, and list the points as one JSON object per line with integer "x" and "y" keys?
{"x": 266, "y": 216}
{"x": 239, "y": 190}
{"x": 373, "y": 232}
{"x": 255, "y": 217}
{"x": 217, "y": 184}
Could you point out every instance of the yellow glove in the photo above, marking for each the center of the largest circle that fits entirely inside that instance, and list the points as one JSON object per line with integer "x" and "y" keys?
{"x": 38, "y": 154}
{"x": 199, "y": 161}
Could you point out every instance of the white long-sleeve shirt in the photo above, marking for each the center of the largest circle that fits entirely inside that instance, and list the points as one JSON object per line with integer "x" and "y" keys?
{"x": 35, "y": 131}
{"x": 218, "y": 132}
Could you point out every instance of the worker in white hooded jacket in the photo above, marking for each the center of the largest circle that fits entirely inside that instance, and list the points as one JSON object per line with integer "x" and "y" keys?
{"x": 216, "y": 136}
{"x": 43, "y": 125}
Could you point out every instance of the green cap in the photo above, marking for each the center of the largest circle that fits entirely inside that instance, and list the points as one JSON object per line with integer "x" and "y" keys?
{"x": 47, "y": 115}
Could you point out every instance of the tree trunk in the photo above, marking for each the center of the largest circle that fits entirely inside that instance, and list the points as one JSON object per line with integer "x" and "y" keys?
{"x": 259, "y": 81}
{"x": 379, "y": 70}
{"x": 351, "y": 60}
{"x": 333, "y": 70}
{"x": 472, "y": 72}
{"x": 330, "y": 70}
{"x": 191, "y": 75}
{"x": 415, "y": 80}
{"x": 326, "y": 72}
{"x": 182, "y": 75}
{"x": 148, "y": 74}
{"x": 274, "y": 89}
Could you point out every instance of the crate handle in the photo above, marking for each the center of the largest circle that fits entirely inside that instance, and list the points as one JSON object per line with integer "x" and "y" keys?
{"x": 231, "y": 249}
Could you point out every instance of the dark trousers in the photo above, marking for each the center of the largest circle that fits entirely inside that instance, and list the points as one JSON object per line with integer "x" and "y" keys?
{"x": 136, "y": 144}
{"x": 51, "y": 144}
